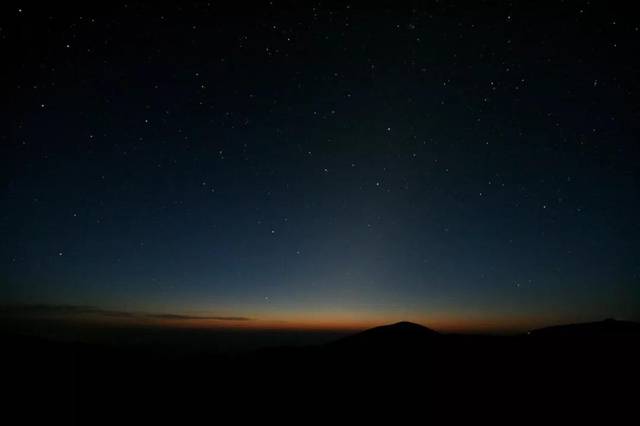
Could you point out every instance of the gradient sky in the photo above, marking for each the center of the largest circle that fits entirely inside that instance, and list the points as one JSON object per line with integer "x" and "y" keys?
{"x": 460, "y": 164}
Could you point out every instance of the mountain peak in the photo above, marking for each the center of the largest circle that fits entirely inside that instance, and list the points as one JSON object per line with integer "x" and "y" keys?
{"x": 405, "y": 324}
{"x": 401, "y": 327}
{"x": 397, "y": 335}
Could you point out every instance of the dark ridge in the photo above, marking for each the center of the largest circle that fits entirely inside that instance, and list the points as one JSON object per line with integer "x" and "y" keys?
{"x": 399, "y": 335}
{"x": 607, "y": 328}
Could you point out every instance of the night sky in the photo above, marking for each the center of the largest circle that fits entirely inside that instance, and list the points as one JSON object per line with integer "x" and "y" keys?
{"x": 465, "y": 165}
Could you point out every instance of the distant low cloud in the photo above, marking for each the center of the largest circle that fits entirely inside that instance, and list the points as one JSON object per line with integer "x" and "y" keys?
{"x": 43, "y": 310}
{"x": 63, "y": 310}
{"x": 195, "y": 317}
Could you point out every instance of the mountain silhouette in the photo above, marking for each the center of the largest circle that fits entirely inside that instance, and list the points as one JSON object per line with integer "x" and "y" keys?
{"x": 383, "y": 359}
{"x": 606, "y": 328}
{"x": 398, "y": 337}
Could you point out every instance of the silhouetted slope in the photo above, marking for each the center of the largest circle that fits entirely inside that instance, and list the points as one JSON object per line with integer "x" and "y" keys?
{"x": 606, "y": 328}
{"x": 149, "y": 382}
{"x": 400, "y": 337}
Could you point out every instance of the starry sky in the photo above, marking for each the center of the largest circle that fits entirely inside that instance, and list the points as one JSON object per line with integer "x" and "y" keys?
{"x": 465, "y": 165}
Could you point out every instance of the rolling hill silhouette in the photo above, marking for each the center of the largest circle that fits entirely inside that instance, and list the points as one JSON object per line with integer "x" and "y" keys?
{"x": 452, "y": 369}
{"x": 607, "y": 328}
{"x": 400, "y": 336}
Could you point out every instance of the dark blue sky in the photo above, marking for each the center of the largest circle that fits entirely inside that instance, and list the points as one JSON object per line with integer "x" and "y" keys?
{"x": 464, "y": 165}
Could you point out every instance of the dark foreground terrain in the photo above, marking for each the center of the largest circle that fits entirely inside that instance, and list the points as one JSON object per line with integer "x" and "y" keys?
{"x": 574, "y": 367}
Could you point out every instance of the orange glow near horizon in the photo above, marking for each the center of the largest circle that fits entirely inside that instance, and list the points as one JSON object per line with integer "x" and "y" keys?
{"x": 310, "y": 320}
{"x": 326, "y": 322}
